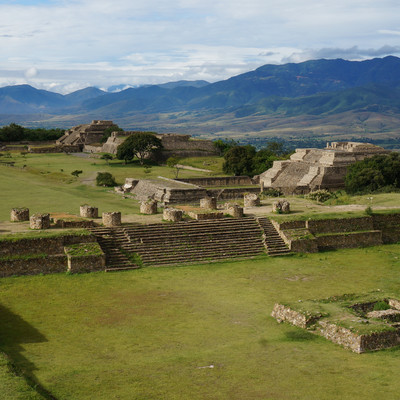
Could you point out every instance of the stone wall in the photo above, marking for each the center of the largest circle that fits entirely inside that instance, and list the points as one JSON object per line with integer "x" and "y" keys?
{"x": 284, "y": 313}
{"x": 47, "y": 245}
{"x": 389, "y": 225}
{"x": 349, "y": 240}
{"x": 232, "y": 194}
{"x": 340, "y": 225}
{"x": 33, "y": 266}
{"x": 220, "y": 181}
{"x": 355, "y": 342}
{"x": 86, "y": 263}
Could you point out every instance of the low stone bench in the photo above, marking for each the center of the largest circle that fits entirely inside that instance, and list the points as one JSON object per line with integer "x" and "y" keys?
{"x": 111, "y": 219}
{"x": 172, "y": 214}
{"x": 19, "y": 214}
{"x": 87, "y": 211}
{"x": 40, "y": 221}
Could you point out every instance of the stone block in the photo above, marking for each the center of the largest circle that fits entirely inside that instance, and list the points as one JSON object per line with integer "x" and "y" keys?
{"x": 172, "y": 214}
{"x": 281, "y": 207}
{"x": 87, "y": 211}
{"x": 208, "y": 202}
{"x": 19, "y": 214}
{"x": 251, "y": 200}
{"x": 234, "y": 209}
{"x": 40, "y": 221}
{"x": 111, "y": 219}
{"x": 148, "y": 207}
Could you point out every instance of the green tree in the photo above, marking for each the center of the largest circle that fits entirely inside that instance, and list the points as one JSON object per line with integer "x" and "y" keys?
{"x": 107, "y": 157}
{"x": 239, "y": 160}
{"x": 173, "y": 162}
{"x": 76, "y": 173}
{"x": 140, "y": 144}
{"x": 223, "y": 145}
{"x": 105, "y": 179}
{"x": 374, "y": 173}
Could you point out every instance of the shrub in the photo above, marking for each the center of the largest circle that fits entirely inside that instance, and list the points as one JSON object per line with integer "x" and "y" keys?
{"x": 368, "y": 211}
{"x": 270, "y": 192}
{"x": 105, "y": 179}
{"x": 320, "y": 195}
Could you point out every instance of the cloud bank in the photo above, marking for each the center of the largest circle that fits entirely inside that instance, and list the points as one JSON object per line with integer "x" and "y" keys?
{"x": 67, "y": 45}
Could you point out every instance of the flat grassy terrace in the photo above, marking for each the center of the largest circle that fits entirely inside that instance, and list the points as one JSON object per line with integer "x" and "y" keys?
{"x": 196, "y": 332}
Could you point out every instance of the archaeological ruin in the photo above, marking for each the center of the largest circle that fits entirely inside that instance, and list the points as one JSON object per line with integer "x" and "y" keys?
{"x": 312, "y": 169}
{"x": 357, "y": 322}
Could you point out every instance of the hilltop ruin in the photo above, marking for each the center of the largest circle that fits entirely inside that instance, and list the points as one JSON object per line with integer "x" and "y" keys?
{"x": 312, "y": 169}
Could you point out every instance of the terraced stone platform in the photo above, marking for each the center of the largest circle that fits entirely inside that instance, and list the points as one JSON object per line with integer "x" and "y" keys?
{"x": 186, "y": 242}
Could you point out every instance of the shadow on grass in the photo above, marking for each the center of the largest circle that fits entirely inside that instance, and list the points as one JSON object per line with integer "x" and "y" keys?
{"x": 299, "y": 335}
{"x": 15, "y": 332}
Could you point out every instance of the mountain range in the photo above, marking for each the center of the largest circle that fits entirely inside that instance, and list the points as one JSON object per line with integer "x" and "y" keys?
{"x": 353, "y": 97}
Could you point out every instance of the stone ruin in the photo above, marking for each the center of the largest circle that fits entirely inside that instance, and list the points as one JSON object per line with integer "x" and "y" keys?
{"x": 313, "y": 169}
{"x": 39, "y": 221}
{"x": 234, "y": 210}
{"x": 209, "y": 203}
{"x": 173, "y": 145}
{"x": 84, "y": 134}
{"x": 172, "y": 214}
{"x": 87, "y": 211}
{"x": 19, "y": 214}
{"x": 251, "y": 200}
{"x": 281, "y": 207}
{"x": 351, "y": 322}
{"x": 111, "y": 219}
{"x": 148, "y": 207}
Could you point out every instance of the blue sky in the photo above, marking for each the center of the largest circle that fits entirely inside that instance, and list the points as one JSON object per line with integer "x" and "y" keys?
{"x": 64, "y": 45}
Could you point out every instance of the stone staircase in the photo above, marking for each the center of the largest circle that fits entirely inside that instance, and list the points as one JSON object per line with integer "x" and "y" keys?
{"x": 111, "y": 241}
{"x": 273, "y": 242}
{"x": 195, "y": 241}
{"x": 188, "y": 242}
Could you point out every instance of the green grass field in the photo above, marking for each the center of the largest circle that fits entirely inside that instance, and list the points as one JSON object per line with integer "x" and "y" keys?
{"x": 196, "y": 332}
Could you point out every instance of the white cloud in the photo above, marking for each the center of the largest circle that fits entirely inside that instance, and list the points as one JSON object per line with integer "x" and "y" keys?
{"x": 88, "y": 42}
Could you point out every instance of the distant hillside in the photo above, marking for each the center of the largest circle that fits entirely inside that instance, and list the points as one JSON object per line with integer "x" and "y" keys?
{"x": 310, "y": 98}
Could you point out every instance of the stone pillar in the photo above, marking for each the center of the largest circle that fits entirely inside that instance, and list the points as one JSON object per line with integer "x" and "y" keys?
{"x": 40, "y": 221}
{"x": 111, "y": 219}
{"x": 148, "y": 207}
{"x": 19, "y": 214}
{"x": 251, "y": 200}
{"x": 234, "y": 209}
{"x": 209, "y": 203}
{"x": 281, "y": 207}
{"x": 89, "y": 211}
{"x": 172, "y": 214}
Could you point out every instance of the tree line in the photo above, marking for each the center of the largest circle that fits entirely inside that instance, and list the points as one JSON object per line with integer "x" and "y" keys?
{"x": 17, "y": 133}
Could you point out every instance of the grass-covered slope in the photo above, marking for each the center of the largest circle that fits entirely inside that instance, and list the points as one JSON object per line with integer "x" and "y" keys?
{"x": 198, "y": 332}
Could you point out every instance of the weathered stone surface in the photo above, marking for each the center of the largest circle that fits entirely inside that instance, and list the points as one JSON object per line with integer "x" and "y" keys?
{"x": 281, "y": 207}
{"x": 172, "y": 214}
{"x": 251, "y": 200}
{"x": 208, "y": 202}
{"x": 390, "y": 315}
{"x": 40, "y": 221}
{"x": 19, "y": 214}
{"x": 111, "y": 219}
{"x": 148, "y": 207}
{"x": 234, "y": 209}
{"x": 203, "y": 216}
{"x": 312, "y": 169}
{"x": 284, "y": 313}
{"x": 87, "y": 211}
